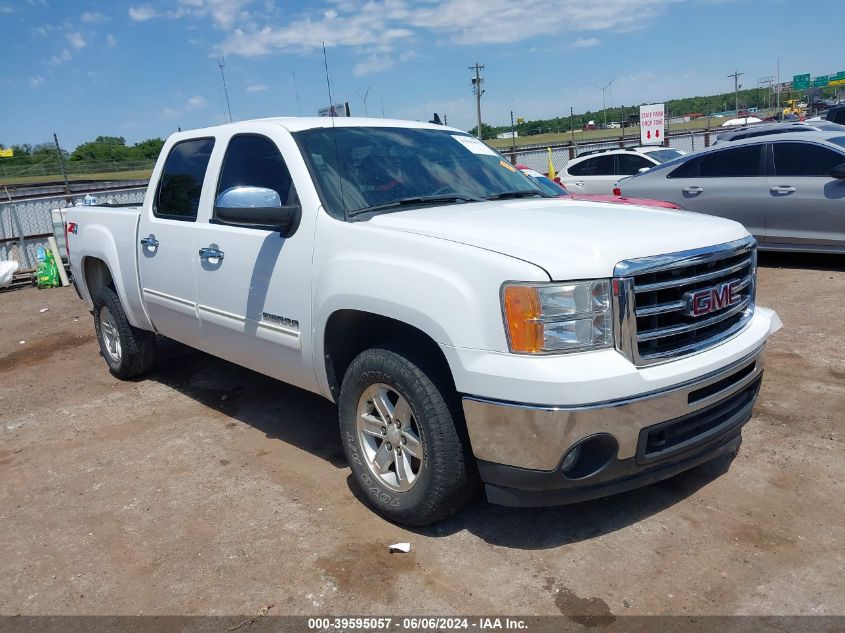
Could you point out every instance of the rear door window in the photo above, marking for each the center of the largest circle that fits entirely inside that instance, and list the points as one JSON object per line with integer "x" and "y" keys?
{"x": 180, "y": 186}
{"x": 805, "y": 159}
{"x": 630, "y": 164}
{"x": 732, "y": 163}
{"x": 598, "y": 166}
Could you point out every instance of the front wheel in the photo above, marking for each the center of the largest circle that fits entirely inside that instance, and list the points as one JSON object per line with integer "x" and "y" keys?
{"x": 400, "y": 436}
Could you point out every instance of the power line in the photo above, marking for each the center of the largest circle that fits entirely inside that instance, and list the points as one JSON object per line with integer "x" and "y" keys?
{"x": 736, "y": 75}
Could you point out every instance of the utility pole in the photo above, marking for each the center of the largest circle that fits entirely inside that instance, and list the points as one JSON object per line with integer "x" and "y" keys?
{"x": 779, "y": 112}
{"x": 221, "y": 61}
{"x": 61, "y": 163}
{"x": 477, "y": 90}
{"x": 736, "y": 75}
{"x": 513, "y": 138}
{"x": 571, "y": 125}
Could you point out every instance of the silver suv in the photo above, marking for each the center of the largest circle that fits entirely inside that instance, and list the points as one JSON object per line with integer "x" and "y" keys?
{"x": 787, "y": 189}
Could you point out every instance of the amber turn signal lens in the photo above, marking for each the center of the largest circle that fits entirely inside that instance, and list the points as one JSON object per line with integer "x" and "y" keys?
{"x": 522, "y": 313}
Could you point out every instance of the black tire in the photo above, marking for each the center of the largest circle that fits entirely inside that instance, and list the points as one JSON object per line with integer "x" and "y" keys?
{"x": 137, "y": 353}
{"x": 447, "y": 477}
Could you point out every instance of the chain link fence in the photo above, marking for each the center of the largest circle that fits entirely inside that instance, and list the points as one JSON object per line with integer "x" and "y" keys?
{"x": 537, "y": 158}
{"x": 27, "y": 224}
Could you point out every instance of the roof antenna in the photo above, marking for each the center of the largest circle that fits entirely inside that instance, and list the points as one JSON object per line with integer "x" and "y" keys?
{"x": 221, "y": 61}
{"x": 332, "y": 114}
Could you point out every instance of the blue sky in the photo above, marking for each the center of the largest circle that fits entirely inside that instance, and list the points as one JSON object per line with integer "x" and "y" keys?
{"x": 85, "y": 68}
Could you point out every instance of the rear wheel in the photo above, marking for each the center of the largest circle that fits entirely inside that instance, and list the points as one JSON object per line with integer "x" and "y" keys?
{"x": 401, "y": 439}
{"x": 127, "y": 350}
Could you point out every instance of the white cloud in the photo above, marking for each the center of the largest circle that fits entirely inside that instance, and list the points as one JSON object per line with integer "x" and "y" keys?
{"x": 143, "y": 13}
{"x": 93, "y": 17}
{"x": 256, "y": 88}
{"x": 194, "y": 103}
{"x": 111, "y": 41}
{"x": 76, "y": 40}
{"x": 585, "y": 42}
{"x": 6, "y": 9}
{"x": 34, "y": 82}
{"x": 170, "y": 113}
{"x": 61, "y": 58}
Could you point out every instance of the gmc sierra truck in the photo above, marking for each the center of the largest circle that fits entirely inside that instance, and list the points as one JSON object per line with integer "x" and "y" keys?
{"x": 471, "y": 330}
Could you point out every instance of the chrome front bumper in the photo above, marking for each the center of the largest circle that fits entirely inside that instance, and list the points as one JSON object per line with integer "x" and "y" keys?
{"x": 537, "y": 437}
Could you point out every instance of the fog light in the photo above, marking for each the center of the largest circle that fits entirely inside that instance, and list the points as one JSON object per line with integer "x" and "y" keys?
{"x": 570, "y": 459}
{"x": 589, "y": 456}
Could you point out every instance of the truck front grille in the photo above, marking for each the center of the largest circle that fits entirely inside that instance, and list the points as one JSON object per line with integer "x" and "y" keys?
{"x": 679, "y": 304}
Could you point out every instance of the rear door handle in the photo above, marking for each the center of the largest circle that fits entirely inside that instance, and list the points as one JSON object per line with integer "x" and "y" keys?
{"x": 780, "y": 190}
{"x": 150, "y": 241}
{"x": 693, "y": 190}
{"x": 579, "y": 183}
{"x": 209, "y": 252}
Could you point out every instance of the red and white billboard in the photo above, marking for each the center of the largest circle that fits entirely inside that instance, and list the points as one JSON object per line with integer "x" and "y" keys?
{"x": 652, "y": 124}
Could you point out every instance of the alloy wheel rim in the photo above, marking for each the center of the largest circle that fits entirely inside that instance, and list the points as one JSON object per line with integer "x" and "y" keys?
{"x": 389, "y": 437}
{"x": 111, "y": 338}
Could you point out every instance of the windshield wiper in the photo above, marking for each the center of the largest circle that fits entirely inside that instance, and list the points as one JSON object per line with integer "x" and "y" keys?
{"x": 416, "y": 200}
{"x": 521, "y": 193}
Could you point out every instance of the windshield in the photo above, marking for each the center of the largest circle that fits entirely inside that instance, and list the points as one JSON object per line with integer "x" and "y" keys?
{"x": 359, "y": 168}
{"x": 665, "y": 155}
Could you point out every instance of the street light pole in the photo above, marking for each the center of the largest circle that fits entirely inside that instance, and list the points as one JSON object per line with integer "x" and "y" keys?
{"x": 364, "y": 99}
{"x": 603, "y": 105}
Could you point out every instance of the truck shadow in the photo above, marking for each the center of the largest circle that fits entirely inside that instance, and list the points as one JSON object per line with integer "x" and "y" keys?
{"x": 280, "y": 411}
{"x": 309, "y": 422}
{"x": 547, "y": 528}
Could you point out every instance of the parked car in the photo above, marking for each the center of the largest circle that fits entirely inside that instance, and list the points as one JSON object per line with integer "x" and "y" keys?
{"x": 836, "y": 114}
{"x": 766, "y": 129}
{"x": 468, "y": 326}
{"x": 787, "y": 189}
{"x": 558, "y": 190}
{"x": 597, "y": 171}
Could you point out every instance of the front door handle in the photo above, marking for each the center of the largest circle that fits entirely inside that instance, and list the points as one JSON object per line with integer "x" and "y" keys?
{"x": 579, "y": 183}
{"x": 209, "y": 252}
{"x": 782, "y": 190}
{"x": 693, "y": 190}
{"x": 150, "y": 241}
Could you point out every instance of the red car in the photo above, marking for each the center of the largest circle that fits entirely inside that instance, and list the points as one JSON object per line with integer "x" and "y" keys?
{"x": 557, "y": 189}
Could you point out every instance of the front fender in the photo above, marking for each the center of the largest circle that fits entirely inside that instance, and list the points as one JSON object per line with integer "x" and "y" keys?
{"x": 449, "y": 291}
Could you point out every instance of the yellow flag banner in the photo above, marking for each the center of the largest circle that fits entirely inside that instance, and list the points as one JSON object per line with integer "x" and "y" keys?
{"x": 552, "y": 173}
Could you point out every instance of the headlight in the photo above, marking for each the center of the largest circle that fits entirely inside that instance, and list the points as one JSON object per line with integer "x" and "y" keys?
{"x": 557, "y": 318}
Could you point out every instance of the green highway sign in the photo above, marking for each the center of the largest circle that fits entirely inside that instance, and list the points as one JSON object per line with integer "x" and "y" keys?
{"x": 801, "y": 82}
{"x": 821, "y": 82}
{"x": 838, "y": 79}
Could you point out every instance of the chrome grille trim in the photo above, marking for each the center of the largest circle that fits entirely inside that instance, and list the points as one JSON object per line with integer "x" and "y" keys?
{"x": 675, "y": 335}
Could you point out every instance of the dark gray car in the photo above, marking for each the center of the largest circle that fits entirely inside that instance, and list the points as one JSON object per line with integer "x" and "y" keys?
{"x": 787, "y": 189}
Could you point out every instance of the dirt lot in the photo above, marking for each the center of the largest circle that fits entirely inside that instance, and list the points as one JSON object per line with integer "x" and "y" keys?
{"x": 208, "y": 489}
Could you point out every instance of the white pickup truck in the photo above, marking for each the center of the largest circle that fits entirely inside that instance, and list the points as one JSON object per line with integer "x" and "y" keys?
{"x": 470, "y": 329}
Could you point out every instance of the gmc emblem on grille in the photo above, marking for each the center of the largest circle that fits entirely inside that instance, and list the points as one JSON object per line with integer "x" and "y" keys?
{"x": 709, "y": 300}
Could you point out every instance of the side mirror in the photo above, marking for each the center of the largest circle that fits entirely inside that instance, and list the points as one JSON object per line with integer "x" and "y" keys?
{"x": 838, "y": 171}
{"x": 257, "y": 207}
{"x": 643, "y": 170}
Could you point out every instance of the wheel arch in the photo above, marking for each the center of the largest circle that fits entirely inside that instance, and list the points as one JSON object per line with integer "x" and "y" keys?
{"x": 348, "y": 332}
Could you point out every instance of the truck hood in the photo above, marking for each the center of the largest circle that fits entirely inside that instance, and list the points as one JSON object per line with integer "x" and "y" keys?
{"x": 569, "y": 239}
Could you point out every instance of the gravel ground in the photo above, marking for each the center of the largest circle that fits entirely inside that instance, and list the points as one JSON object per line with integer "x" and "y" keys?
{"x": 205, "y": 488}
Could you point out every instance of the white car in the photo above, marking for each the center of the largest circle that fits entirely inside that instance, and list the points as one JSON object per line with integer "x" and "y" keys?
{"x": 598, "y": 171}
{"x": 469, "y": 327}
